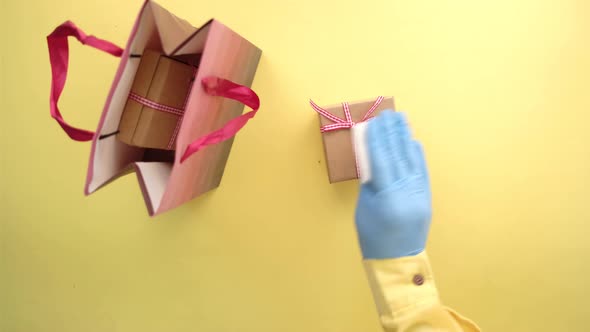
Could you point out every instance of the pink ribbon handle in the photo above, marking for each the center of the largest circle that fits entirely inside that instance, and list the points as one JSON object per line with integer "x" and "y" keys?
{"x": 57, "y": 43}
{"x": 216, "y": 86}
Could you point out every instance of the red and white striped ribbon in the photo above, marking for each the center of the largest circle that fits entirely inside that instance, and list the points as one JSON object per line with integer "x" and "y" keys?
{"x": 157, "y": 106}
{"x": 347, "y": 122}
{"x": 172, "y": 140}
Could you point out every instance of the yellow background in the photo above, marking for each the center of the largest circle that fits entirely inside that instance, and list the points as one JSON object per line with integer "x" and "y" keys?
{"x": 497, "y": 91}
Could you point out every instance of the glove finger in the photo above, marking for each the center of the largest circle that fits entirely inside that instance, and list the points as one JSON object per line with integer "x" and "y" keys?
{"x": 380, "y": 152}
{"x": 403, "y": 146}
{"x": 394, "y": 130}
{"x": 419, "y": 161}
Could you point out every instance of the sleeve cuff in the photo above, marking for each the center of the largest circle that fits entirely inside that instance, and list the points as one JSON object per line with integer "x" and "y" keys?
{"x": 402, "y": 286}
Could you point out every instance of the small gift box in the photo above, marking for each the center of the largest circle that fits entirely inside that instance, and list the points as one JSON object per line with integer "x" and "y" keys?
{"x": 153, "y": 112}
{"x": 335, "y": 124}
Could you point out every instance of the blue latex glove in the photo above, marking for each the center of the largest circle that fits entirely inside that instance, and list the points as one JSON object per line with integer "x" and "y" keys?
{"x": 394, "y": 207}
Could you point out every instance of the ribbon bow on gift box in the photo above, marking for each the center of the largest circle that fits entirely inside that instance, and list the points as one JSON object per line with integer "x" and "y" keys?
{"x": 346, "y": 123}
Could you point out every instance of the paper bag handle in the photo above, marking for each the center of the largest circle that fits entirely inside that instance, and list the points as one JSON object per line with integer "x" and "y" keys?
{"x": 216, "y": 86}
{"x": 57, "y": 43}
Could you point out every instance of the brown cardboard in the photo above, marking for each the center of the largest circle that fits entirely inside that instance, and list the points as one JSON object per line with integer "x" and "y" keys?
{"x": 164, "y": 81}
{"x": 340, "y": 157}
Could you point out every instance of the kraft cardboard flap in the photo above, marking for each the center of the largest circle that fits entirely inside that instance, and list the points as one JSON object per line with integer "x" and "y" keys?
{"x": 172, "y": 30}
{"x": 194, "y": 44}
{"x": 152, "y": 177}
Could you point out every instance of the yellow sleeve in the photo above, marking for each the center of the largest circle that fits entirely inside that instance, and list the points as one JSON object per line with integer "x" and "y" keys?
{"x": 407, "y": 299}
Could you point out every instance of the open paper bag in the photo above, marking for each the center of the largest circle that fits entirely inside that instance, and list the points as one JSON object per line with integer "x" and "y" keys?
{"x": 213, "y": 110}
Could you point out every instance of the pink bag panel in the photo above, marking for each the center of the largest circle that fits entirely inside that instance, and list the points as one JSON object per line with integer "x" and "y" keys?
{"x": 225, "y": 51}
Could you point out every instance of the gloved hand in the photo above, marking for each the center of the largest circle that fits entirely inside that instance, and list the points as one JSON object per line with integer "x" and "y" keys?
{"x": 394, "y": 206}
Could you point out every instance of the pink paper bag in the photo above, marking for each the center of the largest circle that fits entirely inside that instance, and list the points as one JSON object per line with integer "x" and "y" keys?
{"x": 213, "y": 113}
